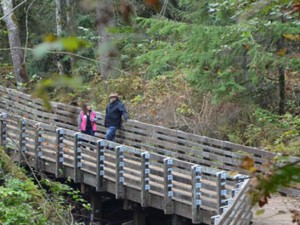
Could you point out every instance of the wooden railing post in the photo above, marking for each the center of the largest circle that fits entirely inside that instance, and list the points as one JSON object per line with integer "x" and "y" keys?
{"x": 59, "y": 152}
{"x": 77, "y": 157}
{"x": 120, "y": 179}
{"x": 100, "y": 165}
{"x": 239, "y": 182}
{"x": 22, "y": 140}
{"x": 168, "y": 186}
{"x": 145, "y": 179}
{"x": 3, "y": 131}
{"x": 37, "y": 146}
{"x": 221, "y": 191}
{"x": 197, "y": 216}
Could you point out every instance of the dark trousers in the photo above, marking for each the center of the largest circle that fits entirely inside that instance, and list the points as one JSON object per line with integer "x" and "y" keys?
{"x": 89, "y": 132}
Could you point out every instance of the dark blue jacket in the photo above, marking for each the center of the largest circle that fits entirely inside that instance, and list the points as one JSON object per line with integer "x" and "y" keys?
{"x": 114, "y": 112}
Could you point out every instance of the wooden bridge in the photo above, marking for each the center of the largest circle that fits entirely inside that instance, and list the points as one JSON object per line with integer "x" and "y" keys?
{"x": 179, "y": 173}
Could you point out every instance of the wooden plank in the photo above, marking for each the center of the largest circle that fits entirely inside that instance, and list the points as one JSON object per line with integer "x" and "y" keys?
{"x": 59, "y": 152}
{"x": 197, "y": 216}
{"x": 100, "y": 169}
{"x": 3, "y": 129}
{"x": 168, "y": 186}
{"x": 77, "y": 158}
{"x": 22, "y": 140}
{"x": 119, "y": 172}
{"x": 145, "y": 179}
{"x": 37, "y": 147}
{"x": 221, "y": 191}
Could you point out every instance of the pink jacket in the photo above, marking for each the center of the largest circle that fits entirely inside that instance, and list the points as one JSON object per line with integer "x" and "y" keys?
{"x": 83, "y": 120}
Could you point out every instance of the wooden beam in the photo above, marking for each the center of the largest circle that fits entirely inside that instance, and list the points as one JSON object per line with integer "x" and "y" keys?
{"x": 77, "y": 158}
{"x": 221, "y": 191}
{"x": 59, "y": 152}
{"x": 120, "y": 179}
{"x": 168, "y": 186}
{"x": 100, "y": 172}
{"x": 3, "y": 129}
{"x": 22, "y": 140}
{"x": 37, "y": 147}
{"x": 145, "y": 179}
{"x": 197, "y": 216}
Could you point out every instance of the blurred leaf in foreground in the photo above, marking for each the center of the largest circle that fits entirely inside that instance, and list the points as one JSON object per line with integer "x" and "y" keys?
{"x": 42, "y": 88}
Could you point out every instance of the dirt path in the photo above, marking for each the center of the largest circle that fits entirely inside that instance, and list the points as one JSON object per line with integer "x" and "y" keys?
{"x": 277, "y": 211}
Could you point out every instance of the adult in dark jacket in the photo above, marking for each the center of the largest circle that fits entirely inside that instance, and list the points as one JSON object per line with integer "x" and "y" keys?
{"x": 113, "y": 117}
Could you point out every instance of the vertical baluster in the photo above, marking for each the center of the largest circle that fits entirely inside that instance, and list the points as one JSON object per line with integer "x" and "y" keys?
{"x": 168, "y": 186}
{"x": 197, "y": 216}
{"x": 59, "y": 152}
{"x": 38, "y": 154}
{"x": 221, "y": 191}
{"x": 22, "y": 140}
{"x": 100, "y": 165}
{"x": 145, "y": 184}
{"x": 239, "y": 182}
{"x": 77, "y": 158}
{"x": 120, "y": 172}
{"x": 3, "y": 131}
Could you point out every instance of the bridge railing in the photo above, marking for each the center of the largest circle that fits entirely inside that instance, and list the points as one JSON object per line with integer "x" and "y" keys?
{"x": 200, "y": 189}
{"x": 189, "y": 147}
{"x": 172, "y": 143}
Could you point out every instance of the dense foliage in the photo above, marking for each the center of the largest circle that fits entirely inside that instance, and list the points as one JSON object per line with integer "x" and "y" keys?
{"x": 227, "y": 69}
{"x": 23, "y": 201}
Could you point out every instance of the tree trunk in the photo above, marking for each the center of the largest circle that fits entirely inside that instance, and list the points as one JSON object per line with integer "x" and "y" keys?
{"x": 71, "y": 5}
{"x": 17, "y": 53}
{"x": 281, "y": 109}
{"x": 281, "y": 82}
{"x": 59, "y": 23}
{"x": 109, "y": 55}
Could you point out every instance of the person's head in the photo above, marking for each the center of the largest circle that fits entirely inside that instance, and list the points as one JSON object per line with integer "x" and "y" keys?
{"x": 86, "y": 107}
{"x": 113, "y": 97}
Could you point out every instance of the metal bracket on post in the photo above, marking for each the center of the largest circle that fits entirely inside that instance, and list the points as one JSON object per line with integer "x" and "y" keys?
{"x": 100, "y": 172}
{"x": 168, "y": 186}
{"x": 77, "y": 158}
{"x": 239, "y": 182}
{"x": 221, "y": 192}
{"x": 59, "y": 152}
{"x": 197, "y": 216}
{"x": 22, "y": 140}
{"x": 215, "y": 219}
{"x": 145, "y": 179}
{"x": 120, "y": 179}
{"x": 38, "y": 154}
{"x": 3, "y": 131}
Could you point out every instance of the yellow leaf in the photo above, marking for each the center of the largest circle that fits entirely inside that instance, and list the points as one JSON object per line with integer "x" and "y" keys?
{"x": 260, "y": 212}
{"x": 282, "y": 52}
{"x": 247, "y": 163}
{"x": 252, "y": 169}
{"x": 292, "y": 37}
{"x": 50, "y": 38}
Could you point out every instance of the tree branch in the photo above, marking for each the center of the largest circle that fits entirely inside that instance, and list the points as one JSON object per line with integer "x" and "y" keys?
{"x": 3, "y": 17}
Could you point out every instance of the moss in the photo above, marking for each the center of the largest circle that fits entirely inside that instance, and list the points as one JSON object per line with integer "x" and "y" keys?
{"x": 10, "y": 168}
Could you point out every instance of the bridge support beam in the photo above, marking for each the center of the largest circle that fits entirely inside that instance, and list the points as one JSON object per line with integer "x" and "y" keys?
{"x": 139, "y": 218}
{"x": 96, "y": 204}
{"x": 178, "y": 220}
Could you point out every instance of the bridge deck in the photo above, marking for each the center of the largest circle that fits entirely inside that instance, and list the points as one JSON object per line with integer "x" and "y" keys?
{"x": 180, "y": 173}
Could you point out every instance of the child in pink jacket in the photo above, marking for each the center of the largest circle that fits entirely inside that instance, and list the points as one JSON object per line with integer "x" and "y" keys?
{"x": 87, "y": 120}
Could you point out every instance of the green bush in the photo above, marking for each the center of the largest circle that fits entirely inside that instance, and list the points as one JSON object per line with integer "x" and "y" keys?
{"x": 270, "y": 129}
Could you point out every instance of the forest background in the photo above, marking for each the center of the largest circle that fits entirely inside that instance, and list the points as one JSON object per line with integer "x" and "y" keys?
{"x": 227, "y": 69}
